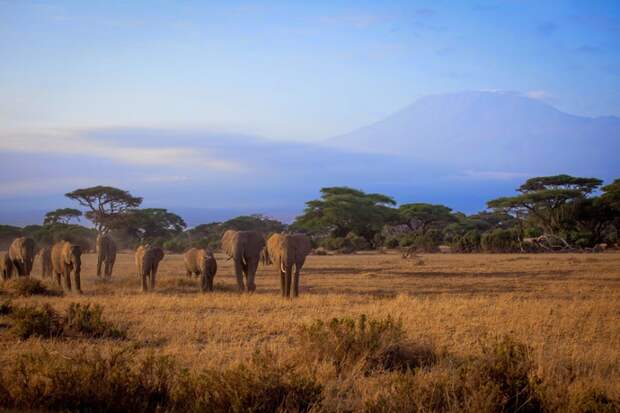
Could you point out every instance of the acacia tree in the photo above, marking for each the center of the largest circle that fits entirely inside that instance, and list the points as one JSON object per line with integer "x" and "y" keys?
{"x": 611, "y": 198}
{"x": 548, "y": 201}
{"x": 342, "y": 210}
{"x": 106, "y": 205}
{"x": 150, "y": 224}
{"x": 62, "y": 216}
{"x": 420, "y": 217}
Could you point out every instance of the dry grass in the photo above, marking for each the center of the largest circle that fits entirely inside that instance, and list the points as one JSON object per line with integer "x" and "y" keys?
{"x": 565, "y": 308}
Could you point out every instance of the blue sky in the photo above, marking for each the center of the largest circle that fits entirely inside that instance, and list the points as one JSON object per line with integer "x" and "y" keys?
{"x": 293, "y": 70}
{"x": 217, "y": 108}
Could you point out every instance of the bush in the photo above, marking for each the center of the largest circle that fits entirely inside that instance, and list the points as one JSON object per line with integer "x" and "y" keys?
{"x": 391, "y": 243}
{"x": 6, "y": 307}
{"x": 118, "y": 382}
{"x": 26, "y": 286}
{"x": 427, "y": 242}
{"x": 175, "y": 245}
{"x": 469, "y": 242}
{"x": 88, "y": 321}
{"x": 343, "y": 245}
{"x": 34, "y": 321}
{"x": 500, "y": 240}
{"x": 497, "y": 381}
{"x": 79, "y": 320}
{"x": 376, "y": 344}
{"x": 358, "y": 243}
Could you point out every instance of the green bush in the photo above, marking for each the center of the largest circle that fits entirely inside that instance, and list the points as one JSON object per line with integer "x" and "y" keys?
{"x": 468, "y": 242}
{"x": 427, "y": 242}
{"x": 175, "y": 245}
{"x": 500, "y": 240}
{"x": 88, "y": 321}
{"x": 358, "y": 243}
{"x": 34, "y": 321}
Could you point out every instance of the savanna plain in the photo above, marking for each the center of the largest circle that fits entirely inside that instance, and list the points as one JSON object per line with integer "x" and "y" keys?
{"x": 436, "y": 332}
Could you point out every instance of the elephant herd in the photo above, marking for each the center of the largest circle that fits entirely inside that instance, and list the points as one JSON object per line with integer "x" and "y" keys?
{"x": 287, "y": 252}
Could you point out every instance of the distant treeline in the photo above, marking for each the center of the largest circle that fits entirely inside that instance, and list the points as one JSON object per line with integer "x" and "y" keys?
{"x": 549, "y": 213}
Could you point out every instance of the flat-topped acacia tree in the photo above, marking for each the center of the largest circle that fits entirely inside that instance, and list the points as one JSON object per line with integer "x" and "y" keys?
{"x": 62, "y": 216}
{"x": 106, "y": 205}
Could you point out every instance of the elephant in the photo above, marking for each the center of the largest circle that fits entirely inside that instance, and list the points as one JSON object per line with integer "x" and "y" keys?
{"x": 46, "y": 262}
{"x": 147, "y": 262}
{"x": 22, "y": 254}
{"x": 6, "y": 266}
{"x": 286, "y": 251}
{"x": 201, "y": 262}
{"x": 67, "y": 259}
{"x": 106, "y": 255}
{"x": 244, "y": 248}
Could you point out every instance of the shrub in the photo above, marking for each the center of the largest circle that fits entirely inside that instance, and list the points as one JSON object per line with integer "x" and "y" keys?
{"x": 358, "y": 243}
{"x": 500, "y": 240}
{"x": 26, "y": 286}
{"x": 175, "y": 245}
{"x": 34, "y": 321}
{"x": 6, "y": 307}
{"x": 90, "y": 381}
{"x": 88, "y": 321}
{"x": 427, "y": 242}
{"x": 79, "y": 320}
{"x": 377, "y": 344}
{"x": 391, "y": 243}
{"x": 497, "y": 381}
{"x": 468, "y": 242}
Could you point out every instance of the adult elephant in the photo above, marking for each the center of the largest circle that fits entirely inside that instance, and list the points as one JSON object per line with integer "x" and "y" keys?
{"x": 22, "y": 254}
{"x": 45, "y": 256}
{"x": 147, "y": 263}
{"x": 286, "y": 251}
{"x": 201, "y": 262}
{"x": 244, "y": 248}
{"x": 67, "y": 259}
{"x": 106, "y": 255}
{"x": 6, "y": 266}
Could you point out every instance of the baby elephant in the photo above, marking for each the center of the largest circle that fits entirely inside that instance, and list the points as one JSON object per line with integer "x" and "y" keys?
{"x": 67, "y": 259}
{"x": 201, "y": 262}
{"x": 6, "y": 266}
{"x": 147, "y": 262}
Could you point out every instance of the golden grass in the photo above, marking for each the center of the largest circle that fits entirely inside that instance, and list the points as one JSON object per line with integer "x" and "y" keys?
{"x": 566, "y": 307}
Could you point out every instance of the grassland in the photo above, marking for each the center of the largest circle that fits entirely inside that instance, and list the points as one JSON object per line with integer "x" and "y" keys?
{"x": 564, "y": 308}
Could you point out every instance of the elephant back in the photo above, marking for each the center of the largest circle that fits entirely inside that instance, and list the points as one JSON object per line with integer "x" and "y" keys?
{"x": 22, "y": 249}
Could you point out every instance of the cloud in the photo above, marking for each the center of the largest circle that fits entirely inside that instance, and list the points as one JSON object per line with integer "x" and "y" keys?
{"x": 538, "y": 94}
{"x": 42, "y": 186}
{"x": 546, "y": 28}
{"x": 73, "y": 143}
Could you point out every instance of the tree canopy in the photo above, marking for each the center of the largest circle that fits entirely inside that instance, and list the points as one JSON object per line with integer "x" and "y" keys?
{"x": 62, "y": 216}
{"x": 152, "y": 223}
{"x": 106, "y": 205}
{"x": 422, "y": 217}
{"x": 544, "y": 200}
{"x": 342, "y": 210}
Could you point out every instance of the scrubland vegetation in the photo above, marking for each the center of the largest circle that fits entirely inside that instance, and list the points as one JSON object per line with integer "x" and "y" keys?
{"x": 370, "y": 332}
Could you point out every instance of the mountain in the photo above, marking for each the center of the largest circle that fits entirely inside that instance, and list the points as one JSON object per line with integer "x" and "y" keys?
{"x": 493, "y": 132}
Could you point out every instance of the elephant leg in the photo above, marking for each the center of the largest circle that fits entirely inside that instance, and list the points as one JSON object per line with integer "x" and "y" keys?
{"x": 99, "y": 262}
{"x": 203, "y": 282}
{"x": 252, "y": 264}
{"x": 153, "y": 276}
{"x": 78, "y": 282}
{"x": 210, "y": 282}
{"x": 145, "y": 287}
{"x": 296, "y": 282}
{"x": 58, "y": 279}
{"x": 112, "y": 262}
{"x": 282, "y": 282}
{"x": 67, "y": 280}
{"x": 287, "y": 281}
{"x": 188, "y": 274}
{"x": 239, "y": 273}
